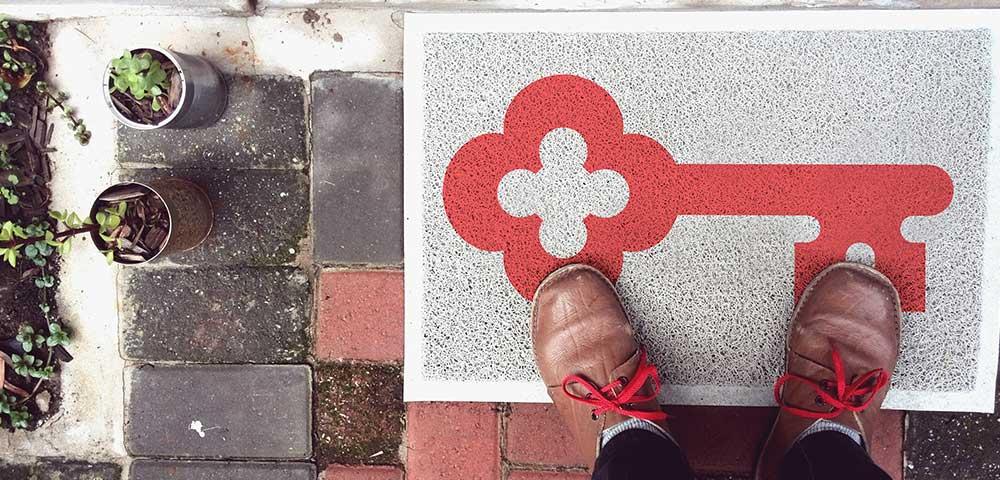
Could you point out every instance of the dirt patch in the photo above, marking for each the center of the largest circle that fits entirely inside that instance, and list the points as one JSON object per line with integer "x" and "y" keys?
{"x": 359, "y": 414}
{"x": 315, "y": 20}
{"x": 310, "y": 17}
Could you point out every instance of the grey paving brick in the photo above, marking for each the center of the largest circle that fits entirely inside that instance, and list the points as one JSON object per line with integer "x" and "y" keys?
{"x": 357, "y": 125}
{"x": 261, "y": 216}
{"x": 60, "y": 469}
{"x": 144, "y": 469}
{"x": 216, "y": 315}
{"x": 220, "y": 411}
{"x": 263, "y": 127}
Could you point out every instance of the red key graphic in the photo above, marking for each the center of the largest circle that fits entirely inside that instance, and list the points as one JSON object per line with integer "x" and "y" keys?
{"x": 852, "y": 203}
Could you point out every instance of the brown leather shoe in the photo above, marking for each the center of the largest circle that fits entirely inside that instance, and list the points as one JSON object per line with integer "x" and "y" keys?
{"x": 843, "y": 342}
{"x": 595, "y": 371}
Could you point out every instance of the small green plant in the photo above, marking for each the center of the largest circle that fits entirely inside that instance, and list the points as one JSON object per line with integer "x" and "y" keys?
{"x": 30, "y": 367}
{"x": 56, "y": 99}
{"x": 140, "y": 76}
{"x": 40, "y": 240}
{"x": 17, "y": 412}
{"x": 28, "y": 338}
{"x": 23, "y": 31}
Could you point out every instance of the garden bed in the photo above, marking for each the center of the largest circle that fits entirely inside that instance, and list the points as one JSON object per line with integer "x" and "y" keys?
{"x": 32, "y": 338}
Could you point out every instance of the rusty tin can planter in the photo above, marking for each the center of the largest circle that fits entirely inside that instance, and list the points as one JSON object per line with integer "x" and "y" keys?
{"x": 189, "y": 212}
{"x": 203, "y": 98}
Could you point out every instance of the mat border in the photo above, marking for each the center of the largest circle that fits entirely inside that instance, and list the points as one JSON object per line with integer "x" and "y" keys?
{"x": 417, "y": 388}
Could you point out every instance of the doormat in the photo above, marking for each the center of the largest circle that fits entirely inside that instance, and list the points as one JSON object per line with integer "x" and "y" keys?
{"x": 710, "y": 164}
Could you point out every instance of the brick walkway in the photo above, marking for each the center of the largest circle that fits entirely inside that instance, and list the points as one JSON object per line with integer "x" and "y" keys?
{"x": 262, "y": 357}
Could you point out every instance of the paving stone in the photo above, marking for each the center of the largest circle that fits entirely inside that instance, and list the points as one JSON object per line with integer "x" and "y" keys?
{"x": 357, "y": 125}
{"x": 536, "y": 475}
{"x": 725, "y": 441}
{"x": 443, "y": 437}
{"x": 537, "y": 435}
{"x": 220, "y": 411}
{"x": 216, "y": 314}
{"x": 943, "y": 445}
{"x": 354, "y": 472}
{"x": 263, "y": 127}
{"x": 261, "y": 216}
{"x": 721, "y": 440}
{"x": 61, "y": 469}
{"x": 143, "y": 469}
{"x": 360, "y": 316}
{"x": 359, "y": 414}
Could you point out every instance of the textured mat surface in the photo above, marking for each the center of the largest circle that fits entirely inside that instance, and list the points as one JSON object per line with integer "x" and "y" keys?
{"x": 711, "y": 168}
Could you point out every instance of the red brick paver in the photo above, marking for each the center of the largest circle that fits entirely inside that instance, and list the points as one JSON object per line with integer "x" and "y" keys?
{"x": 452, "y": 441}
{"x": 727, "y": 440}
{"x": 525, "y": 475}
{"x": 360, "y": 472}
{"x": 723, "y": 440}
{"x": 537, "y": 435}
{"x": 360, "y": 316}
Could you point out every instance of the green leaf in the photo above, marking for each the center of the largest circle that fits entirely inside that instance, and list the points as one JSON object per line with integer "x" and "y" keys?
{"x": 101, "y": 218}
{"x": 31, "y": 251}
{"x": 109, "y": 256}
{"x": 12, "y": 178}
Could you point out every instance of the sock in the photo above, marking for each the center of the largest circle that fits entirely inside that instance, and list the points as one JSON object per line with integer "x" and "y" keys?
{"x": 824, "y": 425}
{"x": 634, "y": 424}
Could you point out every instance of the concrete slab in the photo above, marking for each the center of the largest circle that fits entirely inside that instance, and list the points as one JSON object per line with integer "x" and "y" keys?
{"x": 290, "y": 43}
{"x": 61, "y": 469}
{"x": 261, "y": 216}
{"x": 721, "y": 126}
{"x": 220, "y": 411}
{"x": 62, "y": 9}
{"x": 216, "y": 315}
{"x": 264, "y": 127}
{"x": 357, "y": 125}
{"x": 452, "y": 5}
{"x": 143, "y": 469}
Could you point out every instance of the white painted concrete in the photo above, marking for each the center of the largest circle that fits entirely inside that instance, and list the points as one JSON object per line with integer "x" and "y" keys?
{"x": 557, "y": 5}
{"x": 64, "y": 9}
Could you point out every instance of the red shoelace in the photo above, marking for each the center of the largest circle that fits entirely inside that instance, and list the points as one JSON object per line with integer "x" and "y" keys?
{"x": 604, "y": 399}
{"x": 853, "y": 397}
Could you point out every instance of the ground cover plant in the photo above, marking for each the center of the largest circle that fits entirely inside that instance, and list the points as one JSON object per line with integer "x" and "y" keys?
{"x": 33, "y": 338}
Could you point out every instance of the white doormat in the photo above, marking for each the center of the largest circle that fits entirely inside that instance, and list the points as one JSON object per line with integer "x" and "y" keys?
{"x": 711, "y": 163}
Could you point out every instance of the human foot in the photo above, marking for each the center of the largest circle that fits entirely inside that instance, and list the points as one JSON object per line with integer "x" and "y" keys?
{"x": 843, "y": 342}
{"x": 595, "y": 371}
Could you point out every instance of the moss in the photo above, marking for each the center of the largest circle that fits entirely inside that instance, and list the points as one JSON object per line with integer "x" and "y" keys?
{"x": 359, "y": 413}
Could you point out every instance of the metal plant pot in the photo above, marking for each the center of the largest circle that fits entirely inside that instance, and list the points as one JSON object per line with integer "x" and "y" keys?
{"x": 189, "y": 211}
{"x": 203, "y": 93}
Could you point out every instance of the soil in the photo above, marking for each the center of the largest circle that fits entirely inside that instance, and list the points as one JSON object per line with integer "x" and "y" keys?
{"x": 141, "y": 111}
{"x": 144, "y": 227}
{"x": 359, "y": 415}
{"x": 27, "y": 145}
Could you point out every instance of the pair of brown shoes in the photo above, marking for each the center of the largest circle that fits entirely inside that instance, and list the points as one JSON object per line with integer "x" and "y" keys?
{"x": 843, "y": 342}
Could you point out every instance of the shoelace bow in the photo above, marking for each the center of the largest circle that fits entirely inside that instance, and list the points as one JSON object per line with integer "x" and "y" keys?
{"x": 604, "y": 399}
{"x": 853, "y": 397}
